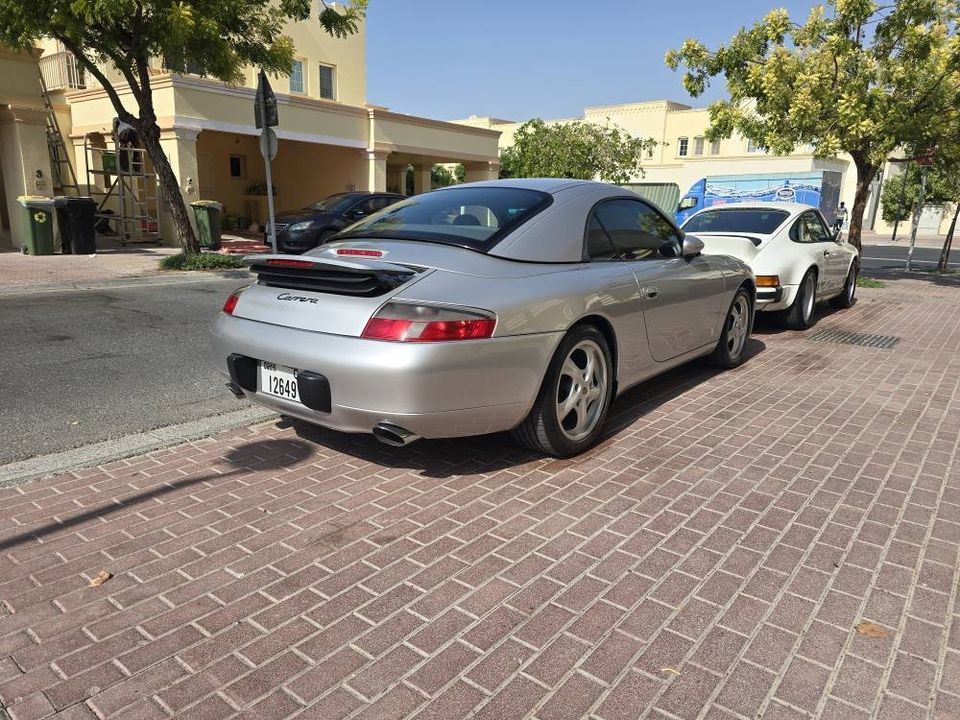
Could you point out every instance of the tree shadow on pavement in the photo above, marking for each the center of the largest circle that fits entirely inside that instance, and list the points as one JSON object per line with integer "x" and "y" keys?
{"x": 251, "y": 457}
{"x": 949, "y": 279}
{"x": 492, "y": 453}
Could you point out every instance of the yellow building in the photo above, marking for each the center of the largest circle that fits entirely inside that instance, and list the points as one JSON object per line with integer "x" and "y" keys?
{"x": 24, "y": 160}
{"x": 683, "y": 155}
{"x": 330, "y": 138}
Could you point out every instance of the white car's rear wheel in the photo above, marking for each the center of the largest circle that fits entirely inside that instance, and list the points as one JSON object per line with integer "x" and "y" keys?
{"x": 848, "y": 296}
{"x": 799, "y": 316}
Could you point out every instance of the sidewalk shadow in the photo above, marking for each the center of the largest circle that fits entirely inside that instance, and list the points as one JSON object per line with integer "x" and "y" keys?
{"x": 251, "y": 457}
{"x": 495, "y": 452}
{"x": 948, "y": 279}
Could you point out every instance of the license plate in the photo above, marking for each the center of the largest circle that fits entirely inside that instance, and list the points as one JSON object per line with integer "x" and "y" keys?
{"x": 279, "y": 381}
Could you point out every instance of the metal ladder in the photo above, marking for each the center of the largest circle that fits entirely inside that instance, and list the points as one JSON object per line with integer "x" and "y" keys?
{"x": 64, "y": 178}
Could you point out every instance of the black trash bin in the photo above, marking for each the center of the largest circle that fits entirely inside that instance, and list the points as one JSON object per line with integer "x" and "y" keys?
{"x": 76, "y": 217}
{"x": 63, "y": 223}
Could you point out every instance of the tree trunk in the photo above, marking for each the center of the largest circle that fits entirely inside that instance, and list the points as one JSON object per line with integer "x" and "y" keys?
{"x": 149, "y": 132}
{"x": 169, "y": 186}
{"x": 865, "y": 175}
{"x": 948, "y": 243}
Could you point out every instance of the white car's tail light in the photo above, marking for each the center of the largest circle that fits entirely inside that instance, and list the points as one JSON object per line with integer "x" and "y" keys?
{"x": 402, "y": 322}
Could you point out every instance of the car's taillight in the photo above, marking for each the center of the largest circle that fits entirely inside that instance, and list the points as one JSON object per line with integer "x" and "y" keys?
{"x": 401, "y": 322}
{"x": 284, "y": 262}
{"x": 359, "y": 252}
{"x": 230, "y": 304}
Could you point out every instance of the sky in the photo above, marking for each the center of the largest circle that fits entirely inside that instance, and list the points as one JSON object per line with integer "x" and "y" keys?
{"x": 517, "y": 59}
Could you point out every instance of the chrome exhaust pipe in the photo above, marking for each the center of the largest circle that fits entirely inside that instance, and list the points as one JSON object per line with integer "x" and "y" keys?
{"x": 393, "y": 435}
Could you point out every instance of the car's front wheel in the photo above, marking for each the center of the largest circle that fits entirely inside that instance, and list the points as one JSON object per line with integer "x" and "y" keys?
{"x": 799, "y": 316}
{"x": 847, "y": 297}
{"x": 574, "y": 398}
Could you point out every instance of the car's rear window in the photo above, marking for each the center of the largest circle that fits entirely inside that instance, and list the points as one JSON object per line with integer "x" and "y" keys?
{"x": 472, "y": 217}
{"x": 746, "y": 220}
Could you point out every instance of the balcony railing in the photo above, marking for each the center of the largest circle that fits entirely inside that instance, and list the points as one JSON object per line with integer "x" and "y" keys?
{"x": 61, "y": 72}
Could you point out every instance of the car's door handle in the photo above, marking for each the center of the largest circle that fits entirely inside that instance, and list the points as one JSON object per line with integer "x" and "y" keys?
{"x": 826, "y": 253}
{"x": 650, "y": 292}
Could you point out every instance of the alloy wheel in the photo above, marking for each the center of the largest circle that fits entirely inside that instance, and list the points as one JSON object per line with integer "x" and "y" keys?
{"x": 581, "y": 390}
{"x": 809, "y": 288}
{"x": 738, "y": 322}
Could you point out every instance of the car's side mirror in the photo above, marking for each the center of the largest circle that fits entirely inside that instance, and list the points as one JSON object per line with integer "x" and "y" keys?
{"x": 838, "y": 236}
{"x": 691, "y": 247}
{"x": 356, "y": 214}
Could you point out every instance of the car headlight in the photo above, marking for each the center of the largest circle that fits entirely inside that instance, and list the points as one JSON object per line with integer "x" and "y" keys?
{"x": 301, "y": 226}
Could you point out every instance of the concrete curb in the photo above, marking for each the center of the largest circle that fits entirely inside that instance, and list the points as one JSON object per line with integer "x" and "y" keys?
{"x": 22, "y": 471}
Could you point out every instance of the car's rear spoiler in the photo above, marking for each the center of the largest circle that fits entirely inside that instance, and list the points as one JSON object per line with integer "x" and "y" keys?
{"x": 744, "y": 247}
{"x": 363, "y": 277}
{"x": 310, "y": 262}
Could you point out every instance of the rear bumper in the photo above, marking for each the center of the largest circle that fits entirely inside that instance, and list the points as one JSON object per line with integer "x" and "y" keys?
{"x": 778, "y": 298}
{"x": 432, "y": 389}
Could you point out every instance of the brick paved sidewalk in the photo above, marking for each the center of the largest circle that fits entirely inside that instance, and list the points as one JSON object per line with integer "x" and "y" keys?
{"x": 19, "y": 270}
{"x": 712, "y": 558}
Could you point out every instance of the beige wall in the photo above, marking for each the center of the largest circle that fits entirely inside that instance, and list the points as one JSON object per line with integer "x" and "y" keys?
{"x": 213, "y": 106}
{"x": 313, "y": 46}
{"x": 347, "y": 55}
{"x": 303, "y": 172}
{"x": 434, "y": 140}
{"x": 24, "y": 159}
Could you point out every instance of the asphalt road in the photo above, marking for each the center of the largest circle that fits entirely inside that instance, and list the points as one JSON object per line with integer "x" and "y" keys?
{"x": 84, "y": 366}
{"x": 894, "y": 257}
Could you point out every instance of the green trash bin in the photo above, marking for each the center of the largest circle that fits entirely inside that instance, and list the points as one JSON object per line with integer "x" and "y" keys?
{"x": 208, "y": 214}
{"x": 37, "y": 216}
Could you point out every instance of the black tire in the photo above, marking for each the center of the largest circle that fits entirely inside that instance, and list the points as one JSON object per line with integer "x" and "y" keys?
{"x": 799, "y": 316}
{"x": 542, "y": 430}
{"x": 848, "y": 297}
{"x": 737, "y": 326}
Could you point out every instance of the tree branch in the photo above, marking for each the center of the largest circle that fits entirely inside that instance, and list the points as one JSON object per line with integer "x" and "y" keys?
{"x": 94, "y": 70}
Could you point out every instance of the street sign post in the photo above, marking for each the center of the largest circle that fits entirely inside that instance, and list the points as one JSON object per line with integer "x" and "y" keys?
{"x": 265, "y": 107}
{"x": 268, "y": 143}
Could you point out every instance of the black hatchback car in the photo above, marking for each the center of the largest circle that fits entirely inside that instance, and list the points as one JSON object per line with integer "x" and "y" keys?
{"x": 302, "y": 230}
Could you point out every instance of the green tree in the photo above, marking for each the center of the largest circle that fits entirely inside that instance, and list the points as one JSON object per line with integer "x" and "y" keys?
{"x": 943, "y": 138}
{"x": 937, "y": 192}
{"x": 863, "y": 79}
{"x": 217, "y": 38}
{"x": 574, "y": 150}
{"x": 441, "y": 176}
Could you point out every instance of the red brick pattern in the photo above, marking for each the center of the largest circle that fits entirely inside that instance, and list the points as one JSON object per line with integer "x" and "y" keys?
{"x": 711, "y": 558}
{"x": 111, "y": 263}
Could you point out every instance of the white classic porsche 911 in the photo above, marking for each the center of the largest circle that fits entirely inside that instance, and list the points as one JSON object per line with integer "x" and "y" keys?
{"x": 797, "y": 259}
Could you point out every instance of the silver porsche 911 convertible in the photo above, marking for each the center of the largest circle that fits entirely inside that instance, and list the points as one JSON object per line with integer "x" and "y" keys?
{"x": 521, "y": 305}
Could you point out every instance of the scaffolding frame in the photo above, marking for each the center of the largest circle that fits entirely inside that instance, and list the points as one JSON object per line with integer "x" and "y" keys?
{"x": 135, "y": 189}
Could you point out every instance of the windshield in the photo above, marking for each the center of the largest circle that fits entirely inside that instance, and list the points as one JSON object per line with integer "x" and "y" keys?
{"x": 472, "y": 217}
{"x": 747, "y": 220}
{"x": 335, "y": 203}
